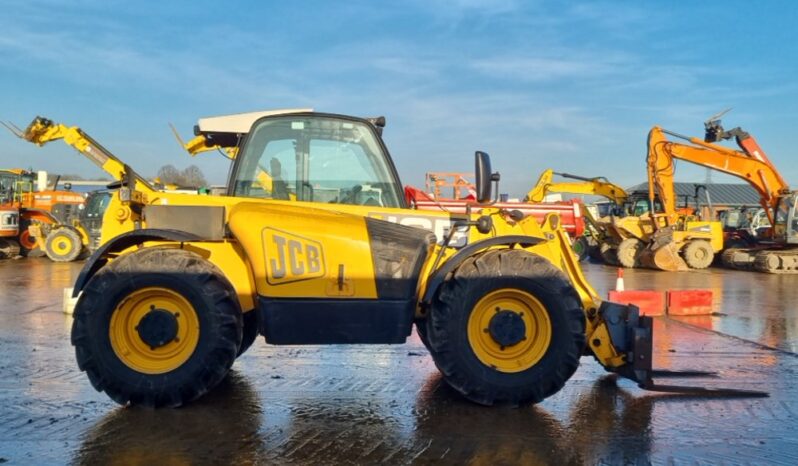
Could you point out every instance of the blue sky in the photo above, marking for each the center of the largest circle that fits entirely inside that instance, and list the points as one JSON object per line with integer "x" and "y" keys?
{"x": 537, "y": 84}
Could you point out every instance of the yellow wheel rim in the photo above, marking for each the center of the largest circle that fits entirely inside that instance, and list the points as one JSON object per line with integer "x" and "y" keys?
{"x": 128, "y": 344}
{"x": 519, "y": 356}
{"x": 62, "y": 245}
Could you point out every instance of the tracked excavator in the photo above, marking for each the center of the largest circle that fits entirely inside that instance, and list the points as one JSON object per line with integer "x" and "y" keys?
{"x": 679, "y": 239}
{"x": 166, "y": 305}
{"x": 777, "y": 252}
{"x": 601, "y": 238}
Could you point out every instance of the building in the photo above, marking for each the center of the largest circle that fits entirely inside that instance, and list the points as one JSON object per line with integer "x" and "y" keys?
{"x": 722, "y": 196}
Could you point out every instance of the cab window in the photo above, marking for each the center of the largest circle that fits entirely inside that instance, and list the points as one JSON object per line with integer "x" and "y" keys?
{"x": 316, "y": 159}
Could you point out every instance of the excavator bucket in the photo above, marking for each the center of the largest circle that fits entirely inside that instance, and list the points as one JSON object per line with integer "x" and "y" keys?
{"x": 665, "y": 257}
{"x": 663, "y": 253}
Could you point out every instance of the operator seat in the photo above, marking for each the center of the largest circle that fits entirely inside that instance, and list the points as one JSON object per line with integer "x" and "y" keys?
{"x": 279, "y": 186}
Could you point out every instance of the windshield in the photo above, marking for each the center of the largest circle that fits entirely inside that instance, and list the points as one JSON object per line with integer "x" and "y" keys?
{"x": 638, "y": 207}
{"x": 96, "y": 205}
{"x": 7, "y": 188}
{"x": 316, "y": 159}
{"x": 733, "y": 219}
{"x": 783, "y": 210}
{"x": 784, "y": 214}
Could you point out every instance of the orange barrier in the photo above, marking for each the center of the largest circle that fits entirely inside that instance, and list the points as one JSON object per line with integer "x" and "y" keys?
{"x": 651, "y": 303}
{"x": 689, "y": 302}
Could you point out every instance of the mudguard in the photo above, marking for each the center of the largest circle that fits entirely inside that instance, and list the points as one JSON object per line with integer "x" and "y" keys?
{"x": 438, "y": 276}
{"x": 100, "y": 257}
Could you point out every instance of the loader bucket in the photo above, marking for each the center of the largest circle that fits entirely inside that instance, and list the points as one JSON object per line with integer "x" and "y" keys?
{"x": 666, "y": 257}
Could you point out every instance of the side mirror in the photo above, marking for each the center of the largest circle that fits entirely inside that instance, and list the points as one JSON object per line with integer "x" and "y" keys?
{"x": 484, "y": 178}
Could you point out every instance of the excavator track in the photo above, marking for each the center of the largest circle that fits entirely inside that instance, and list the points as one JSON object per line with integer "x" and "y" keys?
{"x": 780, "y": 262}
{"x": 737, "y": 258}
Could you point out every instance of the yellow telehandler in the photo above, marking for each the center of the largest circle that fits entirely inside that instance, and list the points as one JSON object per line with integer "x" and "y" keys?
{"x": 331, "y": 255}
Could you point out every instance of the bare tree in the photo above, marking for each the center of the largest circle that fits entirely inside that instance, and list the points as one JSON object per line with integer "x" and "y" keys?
{"x": 193, "y": 177}
{"x": 168, "y": 174}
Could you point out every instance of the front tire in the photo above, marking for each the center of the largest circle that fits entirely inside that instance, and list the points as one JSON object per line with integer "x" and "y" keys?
{"x": 157, "y": 327}
{"x": 63, "y": 245}
{"x": 629, "y": 252}
{"x": 421, "y": 330}
{"x": 698, "y": 254}
{"x": 507, "y": 326}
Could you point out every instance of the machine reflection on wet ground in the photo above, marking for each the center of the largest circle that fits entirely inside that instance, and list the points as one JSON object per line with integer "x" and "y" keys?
{"x": 387, "y": 404}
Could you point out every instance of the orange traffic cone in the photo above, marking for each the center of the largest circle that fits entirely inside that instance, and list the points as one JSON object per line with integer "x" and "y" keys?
{"x": 619, "y": 280}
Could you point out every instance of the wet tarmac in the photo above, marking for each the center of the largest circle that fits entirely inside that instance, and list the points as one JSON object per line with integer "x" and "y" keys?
{"x": 387, "y": 404}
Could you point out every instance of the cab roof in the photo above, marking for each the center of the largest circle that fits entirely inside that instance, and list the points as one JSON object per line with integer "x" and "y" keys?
{"x": 240, "y": 123}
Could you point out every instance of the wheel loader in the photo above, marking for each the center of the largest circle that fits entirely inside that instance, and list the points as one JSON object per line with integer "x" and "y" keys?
{"x": 326, "y": 252}
{"x": 18, "y": 190}
{"x": 66, "y": 242}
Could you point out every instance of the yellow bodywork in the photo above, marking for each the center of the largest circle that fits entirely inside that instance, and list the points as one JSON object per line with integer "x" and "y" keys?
{"x": 338, "y": 233}
{"x": 341, "y": 230}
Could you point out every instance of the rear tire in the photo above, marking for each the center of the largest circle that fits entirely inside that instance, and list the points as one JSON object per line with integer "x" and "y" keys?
{"x": 629, "y": 252}
{"x": 698, "y": 254}
{"x": 63, "y": 245}
{"x": 141, "y": 292}
{"x": 27, "y": 243}
{"x": 581, "y": 247}
{"x": 492, "y": 365}
{"x": 421, "y": 330}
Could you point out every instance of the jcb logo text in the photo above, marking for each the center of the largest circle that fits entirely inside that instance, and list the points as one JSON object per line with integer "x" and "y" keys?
{"x": 291, "y": 258}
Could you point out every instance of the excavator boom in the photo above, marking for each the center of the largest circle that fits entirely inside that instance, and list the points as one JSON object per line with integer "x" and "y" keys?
{"x": 751, "y": 164}
{"x": 592, "y": 186}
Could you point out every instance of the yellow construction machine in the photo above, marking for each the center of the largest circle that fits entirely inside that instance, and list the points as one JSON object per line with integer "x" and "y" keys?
{"x": 677, "y": 240}
{"x": 66, "y": 242}
{"x": 602, "y": 237}
{"x": 332, "y": 255}
{"x": 776, "y": 253}
{"x": 653, "y": 231}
